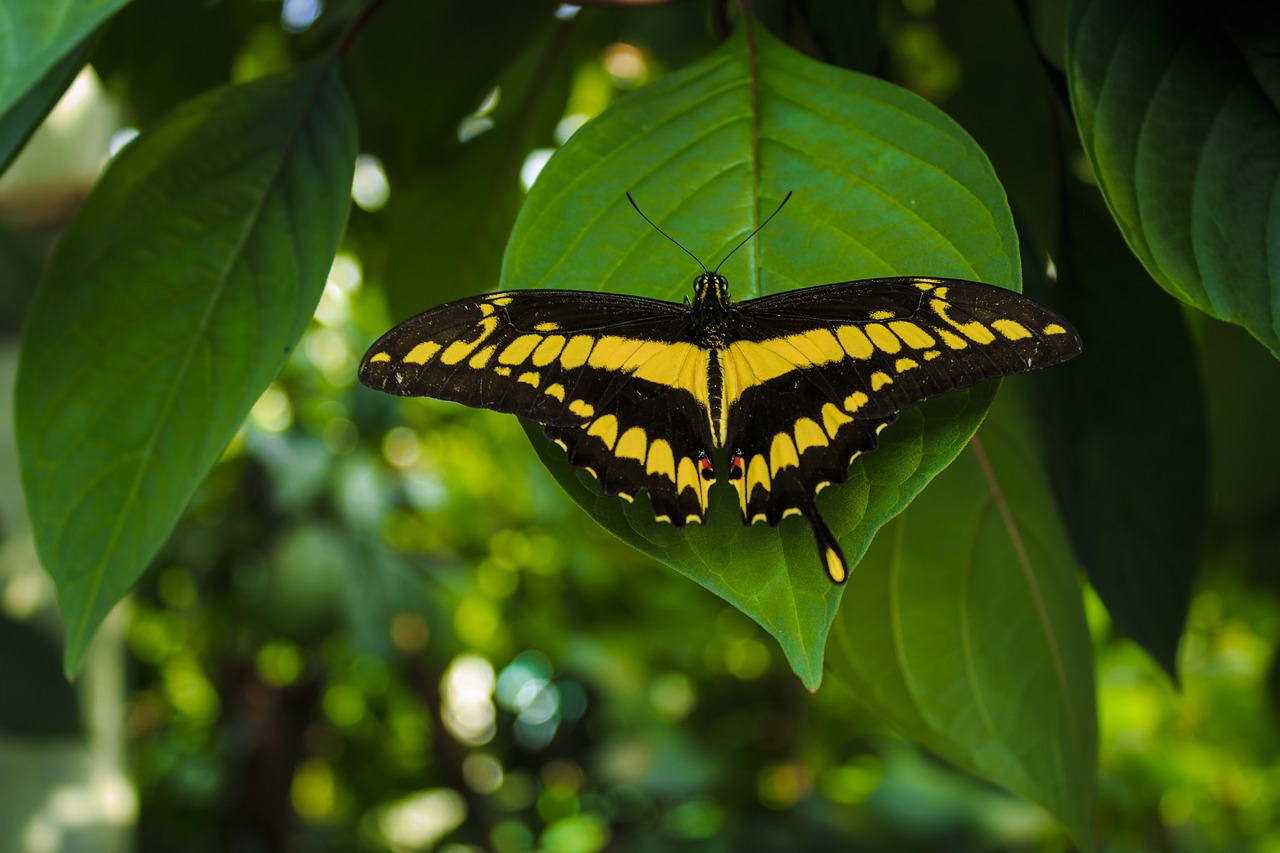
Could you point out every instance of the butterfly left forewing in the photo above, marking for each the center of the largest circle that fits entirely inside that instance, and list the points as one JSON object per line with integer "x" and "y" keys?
{"x": 541, "y": 355}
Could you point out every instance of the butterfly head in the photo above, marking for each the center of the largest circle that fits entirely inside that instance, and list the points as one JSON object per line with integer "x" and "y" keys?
{"x": 711, "y": 290}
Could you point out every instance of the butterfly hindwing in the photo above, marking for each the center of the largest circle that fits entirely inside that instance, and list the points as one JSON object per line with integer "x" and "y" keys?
{"x": 646, "y": 439}
{"x": 607, "y": 376}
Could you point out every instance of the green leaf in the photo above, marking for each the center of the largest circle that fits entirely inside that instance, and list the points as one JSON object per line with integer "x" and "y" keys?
{"x": 35, "y": 36}
{"x": 172, "y": 301}
{"x": 1186, "y": 148}
{"x": 24, "y": 116}
{"x": 1140, "y": 545}
{"x": 884, "y": 184}
{"x": 964, "y": 626}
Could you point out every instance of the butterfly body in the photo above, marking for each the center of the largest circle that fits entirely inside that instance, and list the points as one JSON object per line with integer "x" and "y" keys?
{"x": 795, "y": 385}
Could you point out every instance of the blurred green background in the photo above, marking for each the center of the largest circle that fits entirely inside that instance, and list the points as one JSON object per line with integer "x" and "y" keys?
{"x": 381, "y": 625}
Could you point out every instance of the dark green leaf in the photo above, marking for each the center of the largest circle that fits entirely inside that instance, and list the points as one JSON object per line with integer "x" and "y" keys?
{"x": 884, "y": 184}
{"x": 157, "y": 53}
{"x": 36, "y": 36}
{"x": 964, "y": 626}
{"x": 1135, "y": 509}
{"x": 1186, "y": 148}
{"x": 172, "y": 301}
{"x": 451, "y": 218}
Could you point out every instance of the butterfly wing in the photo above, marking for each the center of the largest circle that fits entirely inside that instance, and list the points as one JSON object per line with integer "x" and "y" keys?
{"x": 815, "y": 374}
{"x": 612, "y": 379}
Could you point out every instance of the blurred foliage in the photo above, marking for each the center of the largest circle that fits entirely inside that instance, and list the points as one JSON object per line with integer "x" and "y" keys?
{"x": 382, "y": 625}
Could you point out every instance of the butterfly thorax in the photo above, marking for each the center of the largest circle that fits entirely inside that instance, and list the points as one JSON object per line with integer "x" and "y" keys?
{"x": 711, "y": 315}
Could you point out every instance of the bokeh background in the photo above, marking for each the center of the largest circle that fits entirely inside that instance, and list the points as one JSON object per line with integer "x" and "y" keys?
{"x": 381, "y": 625}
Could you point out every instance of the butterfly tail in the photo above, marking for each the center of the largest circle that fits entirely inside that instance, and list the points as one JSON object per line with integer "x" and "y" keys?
{"x": 830, "y": 554}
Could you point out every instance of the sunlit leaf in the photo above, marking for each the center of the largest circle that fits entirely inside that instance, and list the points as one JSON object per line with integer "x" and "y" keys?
{"x": 884, "y": 184}
{"x": 172, "y": 301}
{"x": 963, "y": 627}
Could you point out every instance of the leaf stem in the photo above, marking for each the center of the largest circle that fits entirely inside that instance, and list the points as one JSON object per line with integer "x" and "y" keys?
{"x": 353, "y": 29}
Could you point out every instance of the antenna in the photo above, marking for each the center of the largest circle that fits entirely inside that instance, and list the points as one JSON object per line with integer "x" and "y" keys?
{"x": 752, "y": 234}
{"x": 665, "y": 234}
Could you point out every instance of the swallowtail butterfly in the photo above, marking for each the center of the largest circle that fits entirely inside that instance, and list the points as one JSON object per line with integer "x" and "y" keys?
{"x": 642, "y": 393}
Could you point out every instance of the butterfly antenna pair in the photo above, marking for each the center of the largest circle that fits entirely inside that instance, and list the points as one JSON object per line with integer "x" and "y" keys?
{"x": 785, "y": 199}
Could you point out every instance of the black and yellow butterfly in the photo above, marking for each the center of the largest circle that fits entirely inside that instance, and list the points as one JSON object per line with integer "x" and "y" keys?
{"x": 642, "y": 392}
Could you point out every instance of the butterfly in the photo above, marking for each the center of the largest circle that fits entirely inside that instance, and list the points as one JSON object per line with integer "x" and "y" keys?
{"x": 642, "y": 393}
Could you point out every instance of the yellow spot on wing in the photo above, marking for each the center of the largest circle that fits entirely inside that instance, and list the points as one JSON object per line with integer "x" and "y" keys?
{"x": 519, "y": 349}
{"x": 502, "y": 371}
{"x": 555, "y": 390}
{"x": 458, "y": 350}
{"x": 857, "y": 399}
{"x": 930, "y": 355}
{"x": 816, "y": 346}
{"x": 582, "y": 408}
{"x": 546, "y": 327}
{"x": 879, "y": 379}
{"x": 757, "y": 474}
{"x": 500, "y": 299}
{"x": 881, "y": 315}
{"x": 782, "y": 453}
{"x": 687, "y": 477}
{"x": 548, "y": 349}
{"x": 952, "y": 340}
{"x": 1054, "y": 329}
{"x": 914, "y": 336}
{"x": 531, "y": 377}
{"x": 632, "y": 445}
{"x": 833, "y": 419}
{"x": 809, "y": 434}
{"x": 382, "y": 356}
{"x": 485, "y": 308}
{"x": 626, "y": 354}
{"x": 576, "y": 351}
{"x": 924, "y": 285}
{"x": 904, "y": 364}
{"x": 973, "y": 330}
{"x": 835, "y": 566}
{"x": 884, "y": 339}
{"x": 660, "y": 460}
{"x": 855, "y": 343}
{"x": 1011, "y": 329}
{"x": 790, "y": 511}
{"x": 605, "y": 428}
{"x": 422, "y": 353}
{"x": 481, "y": 358}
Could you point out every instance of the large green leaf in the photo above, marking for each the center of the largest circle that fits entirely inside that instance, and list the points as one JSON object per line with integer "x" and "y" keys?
{"x": 1186, "y": 147}
{"x": 34, "y": 36}
{"x": 964, "y": 626}
{"x": 172, "y": 301}
{"x": 884, "y": 184}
